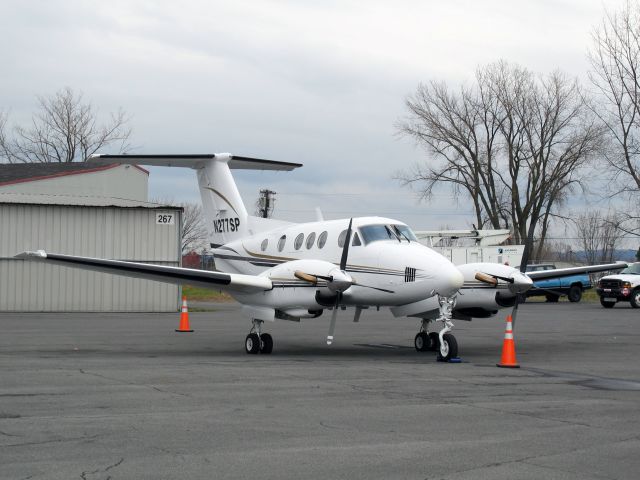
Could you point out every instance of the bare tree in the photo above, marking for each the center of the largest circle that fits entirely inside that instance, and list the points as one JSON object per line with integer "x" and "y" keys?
{"x": 514, "y": 144}
{"x": 3, "y": 133}
{"x": 64, "y": 129}
{"x": 598, "y": 235}
{"x": 615, "y": 61}
{"x": 194, "y": 232}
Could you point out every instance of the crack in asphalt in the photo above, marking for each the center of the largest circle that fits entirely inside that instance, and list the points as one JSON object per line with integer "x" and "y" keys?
{"x": 27, "y": 394}
{"x": 113, "y": 379}
{"x": 59, "y": 440}
{"x": 84, "y": 474}
{"x": 528, "y": 461}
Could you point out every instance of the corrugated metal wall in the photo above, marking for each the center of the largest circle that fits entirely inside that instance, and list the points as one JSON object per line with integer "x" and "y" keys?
{"x": 103, "y": 232}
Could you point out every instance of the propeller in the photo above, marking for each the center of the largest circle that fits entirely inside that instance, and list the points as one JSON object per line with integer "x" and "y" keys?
{"x": 308, "y": 277}
{"x": 492, "y": 279}
{"x": 338, "y": 282}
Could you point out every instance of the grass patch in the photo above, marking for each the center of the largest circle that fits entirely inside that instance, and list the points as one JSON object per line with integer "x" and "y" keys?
{"x": 200, "y": 294}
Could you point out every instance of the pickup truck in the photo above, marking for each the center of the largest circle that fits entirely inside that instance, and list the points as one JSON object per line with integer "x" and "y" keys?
{"x": 552, "y": 289}
{"x": 621, "y": 287}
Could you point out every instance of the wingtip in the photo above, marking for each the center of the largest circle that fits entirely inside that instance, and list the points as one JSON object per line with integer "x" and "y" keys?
{"x": 38, "y": 254}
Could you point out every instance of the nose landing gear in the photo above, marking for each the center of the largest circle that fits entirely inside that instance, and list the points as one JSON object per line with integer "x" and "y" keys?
{"x": 256, "y": 341}
{"x": 442, "y": 342}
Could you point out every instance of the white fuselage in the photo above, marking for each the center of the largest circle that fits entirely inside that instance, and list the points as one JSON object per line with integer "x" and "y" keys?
{"x": 407, "y": 268}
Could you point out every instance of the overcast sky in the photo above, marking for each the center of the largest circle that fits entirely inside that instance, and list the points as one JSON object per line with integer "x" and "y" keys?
{"x": 316, "y": 82}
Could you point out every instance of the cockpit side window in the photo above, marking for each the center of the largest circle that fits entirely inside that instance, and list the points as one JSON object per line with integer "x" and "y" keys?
{"x": 356, "y": 240}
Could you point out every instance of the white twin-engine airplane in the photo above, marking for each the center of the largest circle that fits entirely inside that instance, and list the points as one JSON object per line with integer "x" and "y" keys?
{"x": 285, "y": 271}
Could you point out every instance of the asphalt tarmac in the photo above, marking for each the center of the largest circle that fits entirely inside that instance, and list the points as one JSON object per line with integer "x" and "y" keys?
{"x": 122, "y": 396}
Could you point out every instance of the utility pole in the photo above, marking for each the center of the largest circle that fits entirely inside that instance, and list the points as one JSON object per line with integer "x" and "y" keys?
{"x": 266, "y": 202}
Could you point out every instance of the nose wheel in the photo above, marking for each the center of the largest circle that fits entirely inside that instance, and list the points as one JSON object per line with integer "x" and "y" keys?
{"x": 448, "y": 349}
{"x": 258, "y": 342}
{"x": 442, "y": 342}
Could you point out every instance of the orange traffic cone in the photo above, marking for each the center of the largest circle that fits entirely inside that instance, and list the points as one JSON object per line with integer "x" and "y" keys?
{"x": 508, "y": 359}
{"x": 184, "y": 317}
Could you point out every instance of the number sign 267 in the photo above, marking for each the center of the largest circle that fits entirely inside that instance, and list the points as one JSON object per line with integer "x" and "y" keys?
{"x": 165, "y": 218}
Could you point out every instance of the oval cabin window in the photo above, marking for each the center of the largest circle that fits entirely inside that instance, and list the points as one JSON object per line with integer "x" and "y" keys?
{"x": 322, "y": 239}
{"x": 310, "y": 239}
{"x": 298, "y": 241}
{"x": 281, "y": 242}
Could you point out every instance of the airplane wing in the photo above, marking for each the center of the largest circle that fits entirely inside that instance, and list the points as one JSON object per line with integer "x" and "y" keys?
{"x": 217, "y": 280}
{"x": 567, "y": 272}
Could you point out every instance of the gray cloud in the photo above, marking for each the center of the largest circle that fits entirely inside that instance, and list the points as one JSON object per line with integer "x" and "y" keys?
{"x": 321, "y": 83}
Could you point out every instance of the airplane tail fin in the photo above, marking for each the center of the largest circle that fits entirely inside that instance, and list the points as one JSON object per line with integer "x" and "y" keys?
{"x": 226, "y": 215}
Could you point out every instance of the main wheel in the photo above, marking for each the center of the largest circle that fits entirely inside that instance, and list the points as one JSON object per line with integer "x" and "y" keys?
{"x": 635, "y": 298}
{"x": 575, "y": 293}
{"x": 606, "y": 304}
{"x": 252, "y": 343}
{"x": 422, "y": 342}
{"x": 448, "y": 349}
{"x": 267, "y": 343}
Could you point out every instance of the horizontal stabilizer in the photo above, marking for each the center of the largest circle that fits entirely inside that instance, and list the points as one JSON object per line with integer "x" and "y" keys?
{"x": 177, "y": 275}
{"x": 195, "y": 161}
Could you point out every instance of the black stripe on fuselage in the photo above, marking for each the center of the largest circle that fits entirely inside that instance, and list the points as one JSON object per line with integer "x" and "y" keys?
{"x": 263, "y": 262}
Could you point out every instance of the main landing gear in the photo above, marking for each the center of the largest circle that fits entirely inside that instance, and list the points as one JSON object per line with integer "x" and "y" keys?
{"x": 442, "y": 342}
{"x": 256, "y": 341}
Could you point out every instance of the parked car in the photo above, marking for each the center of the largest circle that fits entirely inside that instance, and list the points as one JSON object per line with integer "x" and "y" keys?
{"x": 621, "y": 287}
{"x": 554, "y": 288}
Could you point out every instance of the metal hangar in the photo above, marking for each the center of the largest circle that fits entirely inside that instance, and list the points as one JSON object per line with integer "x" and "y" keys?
{"x": 83, "y": 210}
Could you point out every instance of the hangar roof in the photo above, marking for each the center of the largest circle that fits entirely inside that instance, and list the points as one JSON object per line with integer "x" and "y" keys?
{"x": 78, "y": 200}
{"x": 28, "y": 172}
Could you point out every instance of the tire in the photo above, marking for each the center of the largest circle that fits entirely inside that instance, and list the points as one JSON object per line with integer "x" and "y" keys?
{"x": 451, "y": 346}
{"x": 575, "y": 293}
{"x": 635, "y": 298}
{"x": 552, "y": 298}
{"x": 435, "y": 341}
{"x": 266, "y": 343}
{"x": 606, "y": 304}
{"x": 422, "y": 342}
{"x": 252, "y": 343}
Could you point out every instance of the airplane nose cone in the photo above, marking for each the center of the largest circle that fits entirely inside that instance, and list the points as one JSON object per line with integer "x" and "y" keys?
{"x": 452, "y": 280}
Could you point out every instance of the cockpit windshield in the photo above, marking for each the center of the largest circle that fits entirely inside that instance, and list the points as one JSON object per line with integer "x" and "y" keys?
{"x": 405, "y": 233}
{"x": 632, "y": 269}
{"x": 398, "y": 233}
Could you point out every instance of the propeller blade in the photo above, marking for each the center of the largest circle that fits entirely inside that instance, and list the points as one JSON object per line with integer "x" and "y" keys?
{"x": 483, "y": 277}
{"x": 332, "y": 325}
{"x": 374, "y": 288}
{"x": 307, "y": 277}
{"x": 506, "y": 279}
{"x": 345, "y": 249}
